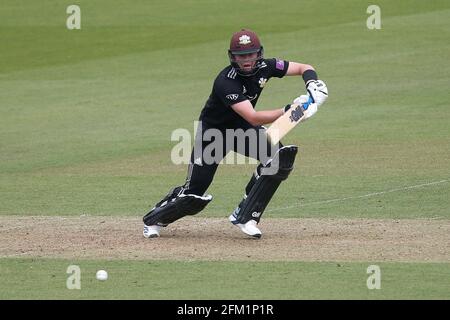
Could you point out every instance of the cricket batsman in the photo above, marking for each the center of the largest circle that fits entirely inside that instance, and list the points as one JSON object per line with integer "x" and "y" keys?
{"x": 231, "y": 106}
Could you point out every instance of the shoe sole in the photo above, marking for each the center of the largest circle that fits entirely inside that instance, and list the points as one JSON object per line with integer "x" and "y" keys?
{"x": 152, "y": 236}
{"x": 255, "y": 236}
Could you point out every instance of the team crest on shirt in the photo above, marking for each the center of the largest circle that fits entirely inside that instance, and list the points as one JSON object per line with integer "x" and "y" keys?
{"x": 262, "y": 82}
{"x": 244, "y": 39}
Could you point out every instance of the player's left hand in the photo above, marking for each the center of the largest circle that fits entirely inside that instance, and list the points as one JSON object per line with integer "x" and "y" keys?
{"x": 318, "y": 91}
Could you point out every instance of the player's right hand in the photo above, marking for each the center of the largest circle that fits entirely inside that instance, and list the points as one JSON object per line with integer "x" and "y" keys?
{"x": 310, "y": 110}
{"x": 301, "y": 99}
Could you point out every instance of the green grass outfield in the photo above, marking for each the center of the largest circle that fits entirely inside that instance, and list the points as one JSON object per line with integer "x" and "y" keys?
{"x": 46, "y": 279}
{"x": 86, "y": 118}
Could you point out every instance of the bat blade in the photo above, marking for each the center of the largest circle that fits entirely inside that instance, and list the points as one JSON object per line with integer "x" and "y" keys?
{"x": 287, "y": 122}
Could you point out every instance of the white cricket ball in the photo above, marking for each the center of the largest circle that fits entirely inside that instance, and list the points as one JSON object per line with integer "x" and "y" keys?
{"x": 101, "y": 275}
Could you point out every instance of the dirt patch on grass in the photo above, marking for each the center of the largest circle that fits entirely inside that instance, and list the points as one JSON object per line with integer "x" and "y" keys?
{"x": 192, "y": 238}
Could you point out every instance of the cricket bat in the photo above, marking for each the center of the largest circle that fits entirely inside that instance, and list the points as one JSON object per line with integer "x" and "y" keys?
{"x": 287, "y": 121}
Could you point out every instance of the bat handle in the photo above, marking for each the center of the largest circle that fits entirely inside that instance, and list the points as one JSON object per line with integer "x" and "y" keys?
{"x": 307, "y": 103}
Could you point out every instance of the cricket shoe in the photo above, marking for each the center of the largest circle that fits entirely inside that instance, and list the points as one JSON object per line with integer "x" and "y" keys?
{"x": 248, "y": 228}
{"x": 151, "y": 231}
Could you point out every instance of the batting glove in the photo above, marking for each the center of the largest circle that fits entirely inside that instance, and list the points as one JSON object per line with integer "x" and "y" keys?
{"x": 308, "y": 109}
{"x": 318, "y": 91}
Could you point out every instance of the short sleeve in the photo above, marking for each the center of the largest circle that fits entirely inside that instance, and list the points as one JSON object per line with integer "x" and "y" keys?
{"x": 228, "y": 91}
{"x": 277, "y": 67}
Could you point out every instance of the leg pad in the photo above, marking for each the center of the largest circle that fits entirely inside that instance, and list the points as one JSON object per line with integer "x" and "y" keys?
{"x": 175, "y": 208}
{"x": 253, "y": 206}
